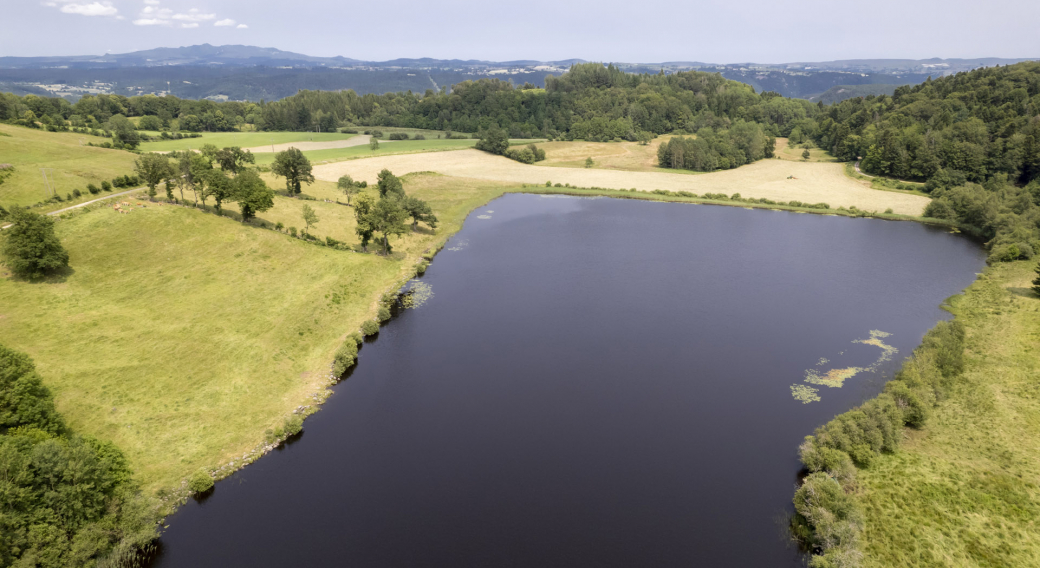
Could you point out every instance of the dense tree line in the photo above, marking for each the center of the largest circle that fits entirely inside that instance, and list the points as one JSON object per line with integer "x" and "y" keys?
{"x": 742, "y": 143}
{"x": 65, "y": 499}
{"x": 590, "y": 101}
{"x": 94, "y": 111}
{"x": 974, "y": 137}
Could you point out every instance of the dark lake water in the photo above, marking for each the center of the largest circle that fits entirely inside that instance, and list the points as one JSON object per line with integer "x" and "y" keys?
{"x": 595, "y": 382}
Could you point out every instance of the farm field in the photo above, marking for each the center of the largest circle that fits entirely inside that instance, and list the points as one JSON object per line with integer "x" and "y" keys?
{"x": 785, "y": 151}
{"x": 242, "y": 140}
{"x": 181, "y": 336}
{"x": 624, "y": 156}
{"x": 69, "y": 164}
{"x": 778, "y": 180}
{"x": 386, "y": 147}
{"x": 965, "y": 490}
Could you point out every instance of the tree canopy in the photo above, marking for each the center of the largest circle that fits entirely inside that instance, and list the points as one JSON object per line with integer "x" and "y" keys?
{"x": 32, "y": 250}
{"x": 295, "y": 168}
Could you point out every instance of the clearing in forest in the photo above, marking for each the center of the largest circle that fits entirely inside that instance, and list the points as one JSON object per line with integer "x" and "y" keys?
{"x": 779, "y": 180}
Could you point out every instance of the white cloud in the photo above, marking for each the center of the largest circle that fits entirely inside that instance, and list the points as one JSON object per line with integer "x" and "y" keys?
{"x": 91, "y": 9}
{"x": 152, "y": 2}
{"x": 194, "y": 15}
{"x": 227, "y": 22}
{"x": 192, "y": 25}
{"x": 241, "y": 26}
{"x": 150, "y": 22}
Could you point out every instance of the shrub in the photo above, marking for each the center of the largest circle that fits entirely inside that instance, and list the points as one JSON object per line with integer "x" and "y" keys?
{"x": 383, "y": 314}
{"x": 292, "y": 231}
{"x": 370, "y": 327}
{"x": 421, "y": 268}
{"x": 279, "y": 226}
{"x": 294, "y": 425}
{"x": 345, "y": 356}
{"x": 548, "y": 184}
{"x": 76, "y": 193}
{"x": 418, "y": 137}
{"x": 377, "y": 133}
{"x": 356, "y": 337}
{"x": 200, "y": 481}
{"x": 106, "y": 186}
{"x": 93, "y": 189}
{"x": 398, "y": 136}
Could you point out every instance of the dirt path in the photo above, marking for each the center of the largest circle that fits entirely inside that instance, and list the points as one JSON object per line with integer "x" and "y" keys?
{"x": 85, "y": 203}
{"x": 779, "y": 180}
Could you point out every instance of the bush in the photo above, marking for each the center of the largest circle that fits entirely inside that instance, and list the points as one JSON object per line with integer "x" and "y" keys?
{"x": 420, "y": 269}
{"x": 418, "y": 137}
{"x": 356, "y": 338}
{"x": 200, "y": 481}
{"x": 377, "y": 133}
{"x": 76, "y": 193}
{"x": 106, "y": 186}
{"x": 93, "y": 189}
{"x": 345, "y": 356}
{"x": 279, "y": 226}
{"x": 293, "y": 425}
{"x": 370, "y": 327}
{"x": 292, "y": 231}
{"x": 398, "y": 136}
{"x": 383, "y": 314}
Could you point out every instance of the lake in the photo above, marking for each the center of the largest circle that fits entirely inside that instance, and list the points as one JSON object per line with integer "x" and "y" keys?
{"x": 594, "y": 382}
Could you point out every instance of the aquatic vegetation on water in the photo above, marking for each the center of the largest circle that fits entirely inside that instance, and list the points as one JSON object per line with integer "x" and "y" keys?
{"x": 417, "y": 295}
{"x": 887, "y": 351}
{"x": 483, "y": 216}
{"x": 835, "y": 378}
{"x": 804, "y": 393}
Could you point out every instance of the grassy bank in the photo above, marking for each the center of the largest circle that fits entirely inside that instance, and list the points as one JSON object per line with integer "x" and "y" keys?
{"x": 942, "y": 468}
{"x": 182, "y": 336}
{"x": 965, "y": 489}
{"x": 69, "y": 163}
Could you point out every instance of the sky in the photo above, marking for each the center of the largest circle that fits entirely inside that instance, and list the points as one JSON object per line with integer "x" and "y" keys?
{"x": 717, "y": 31}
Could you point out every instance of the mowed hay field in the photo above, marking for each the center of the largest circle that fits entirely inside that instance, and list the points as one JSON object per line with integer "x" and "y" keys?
{"x": 182, "y": 336}
{"x": 244, "y": 140}
{"x": 811, "y": 182}
{"x": 70, "y": 165}
{"x": 964, "y": 491}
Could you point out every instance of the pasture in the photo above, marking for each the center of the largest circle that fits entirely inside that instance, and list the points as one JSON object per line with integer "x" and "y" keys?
{"x": 182, "y": 336}
{"x": 242, "y": 140}
{"x": 69, "y": 162}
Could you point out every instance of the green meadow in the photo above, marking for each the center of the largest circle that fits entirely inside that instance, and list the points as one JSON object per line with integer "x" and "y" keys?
{"x": 240, "y": 139}
{"x": 70, "y": 165}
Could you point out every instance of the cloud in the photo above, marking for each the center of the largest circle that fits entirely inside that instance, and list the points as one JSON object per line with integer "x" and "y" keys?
{"x": 194, "y": 15}
{"x": 152, "y": 2}
{"x": 192, "y": 25}
{"x": 150, "y": 22}
{"x": 227, "y": 22}
{"x": 91, "y": 9}
{"x": 241, "y": 26}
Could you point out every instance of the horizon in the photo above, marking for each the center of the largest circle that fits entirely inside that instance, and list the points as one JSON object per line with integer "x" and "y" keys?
{"x": 751, "y": 33}
{"x": 482, "y": 60}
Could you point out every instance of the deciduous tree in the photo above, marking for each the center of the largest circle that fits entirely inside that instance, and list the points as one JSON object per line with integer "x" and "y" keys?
{"x": 295, "y": 168}
{"x": 153, "y": 169}
{"x": 309, "y": 217}
{"x": 349, "y": 187}
{"x": 252, "y": 194}
{"x": 32, "y": 249}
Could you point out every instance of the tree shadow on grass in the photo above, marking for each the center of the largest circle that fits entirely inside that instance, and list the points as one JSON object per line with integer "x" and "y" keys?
{"x": 1023, "y": 292}
{"x": 58, "y": 276}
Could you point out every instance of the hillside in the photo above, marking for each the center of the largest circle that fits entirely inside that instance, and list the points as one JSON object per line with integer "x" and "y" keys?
{"x": 839, "y": 93}
{"x": 69, "y": 165}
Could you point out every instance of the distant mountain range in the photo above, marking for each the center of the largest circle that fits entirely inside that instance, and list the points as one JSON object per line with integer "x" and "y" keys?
{"x": 241, "y": 72}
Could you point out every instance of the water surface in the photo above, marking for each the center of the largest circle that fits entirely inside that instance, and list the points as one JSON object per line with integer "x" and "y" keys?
{"x": 595, "y": 382}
